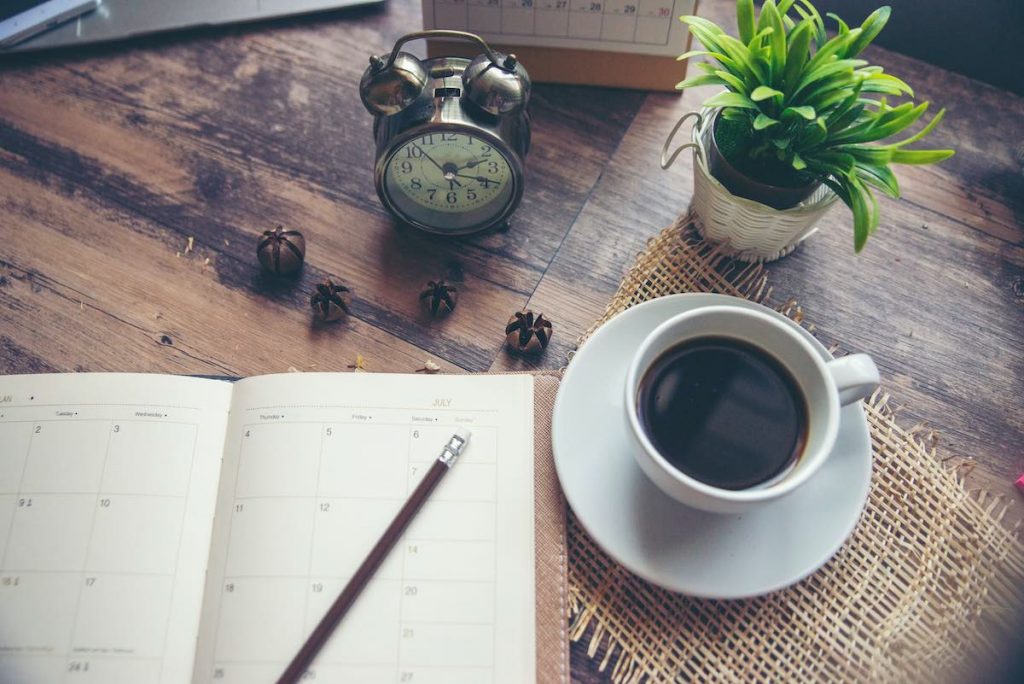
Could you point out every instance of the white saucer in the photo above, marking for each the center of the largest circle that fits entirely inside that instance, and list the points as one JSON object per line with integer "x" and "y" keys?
{"x": 680, "y": 548}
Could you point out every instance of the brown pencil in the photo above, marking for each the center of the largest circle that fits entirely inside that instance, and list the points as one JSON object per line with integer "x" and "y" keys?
{"x": 377, "y": 554}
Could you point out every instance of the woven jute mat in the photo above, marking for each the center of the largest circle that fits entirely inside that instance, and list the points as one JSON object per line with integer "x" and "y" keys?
{"x": 928, "y": 584}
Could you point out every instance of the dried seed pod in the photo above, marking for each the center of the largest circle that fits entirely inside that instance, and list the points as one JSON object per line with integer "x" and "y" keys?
{"x": 439, "y": 298}
{"x": 329, "y": 301}
{"x": 526, "y": 333}
{"x": 281, "y": 251}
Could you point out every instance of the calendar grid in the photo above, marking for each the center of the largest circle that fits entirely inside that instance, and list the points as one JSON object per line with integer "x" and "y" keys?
{"x": 109, "y": 494}
{"x": 85, "y": 509}
{"x": 565, "y": 23}
{"x": 134, "y": 405}
{"x": 494, "y": 593}
{"x": 432, "y": 606}
{"x": 454, "y": 623}
{"x": 418, "y": 438}
{"x": 17, "y": 493}
{"x": 349, "y": 407}
{"x": 102, "y": 562}
{"x": 227, "y": 546}
{"x": 118, "y": 515}
{"x": 85, "y": 561}
{"x": 312, "y": 530}
{"x": 338, "y": 578}
{"x": 405, "y": 559}
{"x": 134, "y": 421}
{"x": 120, "y": 573}
{"x": 345, "y": 498}
{"x": 177, "y": 554}
{"x": 356, "y": 663}
{"x": 114, "y": 657}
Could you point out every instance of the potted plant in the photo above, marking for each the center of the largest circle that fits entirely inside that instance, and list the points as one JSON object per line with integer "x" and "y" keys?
{"x": 800, "y": 123}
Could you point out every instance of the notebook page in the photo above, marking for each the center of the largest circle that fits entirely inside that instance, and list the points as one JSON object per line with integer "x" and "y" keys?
{"x": 316, "y": 466}
{"x": 107, "y": 491}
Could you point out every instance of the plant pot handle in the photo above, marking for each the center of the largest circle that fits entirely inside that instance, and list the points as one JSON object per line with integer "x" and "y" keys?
{"x": 667, "y": 162}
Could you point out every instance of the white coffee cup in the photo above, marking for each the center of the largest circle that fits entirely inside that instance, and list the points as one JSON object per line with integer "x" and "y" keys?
{"x": 825, "y": 388}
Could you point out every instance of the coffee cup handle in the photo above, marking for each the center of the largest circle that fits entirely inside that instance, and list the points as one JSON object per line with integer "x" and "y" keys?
{"x": 856, "y": 377}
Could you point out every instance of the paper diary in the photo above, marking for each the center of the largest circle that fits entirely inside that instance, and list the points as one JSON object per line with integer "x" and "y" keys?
{"x": 167, "y": 529}
{"x": 624, "y": 43}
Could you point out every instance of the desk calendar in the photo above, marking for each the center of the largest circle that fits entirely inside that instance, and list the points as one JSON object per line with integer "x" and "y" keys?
{"x": 168, "y": 529}
{"x": 629, "y": 43}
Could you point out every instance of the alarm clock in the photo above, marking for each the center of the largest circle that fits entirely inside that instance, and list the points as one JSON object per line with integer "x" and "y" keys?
{"x": 451, "y": 135}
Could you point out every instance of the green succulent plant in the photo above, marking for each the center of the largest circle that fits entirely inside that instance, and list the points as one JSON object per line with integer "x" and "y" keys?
{"x": 800, "y": 106}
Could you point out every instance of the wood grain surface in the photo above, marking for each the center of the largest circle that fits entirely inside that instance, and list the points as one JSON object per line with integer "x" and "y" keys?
{"x": 113, "y": 158}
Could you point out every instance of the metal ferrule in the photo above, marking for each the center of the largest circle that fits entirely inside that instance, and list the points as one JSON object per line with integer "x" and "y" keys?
{"x": 451, "y": 450}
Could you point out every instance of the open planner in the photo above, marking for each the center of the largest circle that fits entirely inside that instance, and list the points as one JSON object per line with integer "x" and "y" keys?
{"x": 168, "y": 529}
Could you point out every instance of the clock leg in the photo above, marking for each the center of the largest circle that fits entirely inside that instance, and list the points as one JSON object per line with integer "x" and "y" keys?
{"x": 504, "y": 226}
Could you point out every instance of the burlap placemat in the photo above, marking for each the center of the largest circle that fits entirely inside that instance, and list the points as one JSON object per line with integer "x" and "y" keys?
{"x": 929, "y": 582}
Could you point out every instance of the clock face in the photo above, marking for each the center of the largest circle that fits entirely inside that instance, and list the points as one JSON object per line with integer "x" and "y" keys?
{"x": 449, "y": 181}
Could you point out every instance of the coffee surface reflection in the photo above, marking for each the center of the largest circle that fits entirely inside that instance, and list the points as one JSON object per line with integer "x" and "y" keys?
{"x": 723, "y": 411}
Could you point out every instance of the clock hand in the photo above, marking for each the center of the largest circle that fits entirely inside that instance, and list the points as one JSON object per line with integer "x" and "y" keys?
{"x": 429, "y": 158}
{"x": 449, "y": 175}
{"x": 479, "y": 179}
{"x": 471, "y": 164}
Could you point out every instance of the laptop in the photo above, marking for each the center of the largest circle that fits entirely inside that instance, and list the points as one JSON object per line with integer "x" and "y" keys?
{"x": 114, "y": 19}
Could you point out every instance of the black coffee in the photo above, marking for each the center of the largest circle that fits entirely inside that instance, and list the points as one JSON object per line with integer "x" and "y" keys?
{"x": 723, "y": 411}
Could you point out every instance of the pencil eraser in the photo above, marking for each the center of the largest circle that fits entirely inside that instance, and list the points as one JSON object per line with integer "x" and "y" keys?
{"x": 463, "y": 434}
{"x": 1020, "y": 483}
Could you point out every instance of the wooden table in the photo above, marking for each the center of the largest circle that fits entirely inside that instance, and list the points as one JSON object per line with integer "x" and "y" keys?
{"x": 114, "y": 159}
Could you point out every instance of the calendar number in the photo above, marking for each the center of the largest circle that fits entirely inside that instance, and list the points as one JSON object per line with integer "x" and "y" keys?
{"x": 406, "y": 677}
{"x": 329, "y": 431}
{"x": 229, "y": 588}
{"x": 218, "y": 673}
{"x": 408, "y": 633}
{"x": 117, "y": 428}
{"x": 78, "y": 666}
{"x": 39, "y": 428}
{"x": 104, "y": 503}
{"x": 90, "y": 581}
{"x": 25, "y": 503}
{"x": 10, "y": 581}
{"x": 239, "y": 508}
{"x": 308, "y": 674}
{"x": 325, "y": 507}
{"x": 411, "y": 590}
{"x": 318, "y": 587}
{"x": 415, "y": 434}
{"x": 629, "y": 9}
{"x": 413, "y": 548}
